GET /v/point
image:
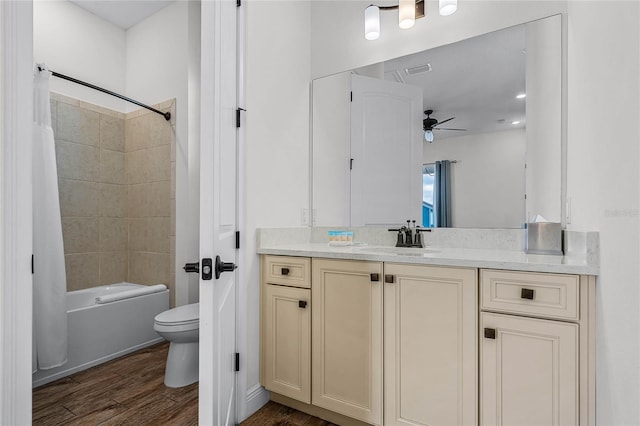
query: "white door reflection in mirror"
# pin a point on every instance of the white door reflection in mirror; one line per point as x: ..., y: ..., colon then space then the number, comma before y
x: 386, y: 152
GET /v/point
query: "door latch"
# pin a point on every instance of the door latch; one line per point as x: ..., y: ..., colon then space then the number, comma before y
x: 192, y: 267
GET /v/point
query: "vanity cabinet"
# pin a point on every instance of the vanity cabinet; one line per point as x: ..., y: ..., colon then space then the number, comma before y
x: 430, y: 345
x: 347, y: 368
x: 383, y: 343
x: 536, y: 348
x: 286, y: 326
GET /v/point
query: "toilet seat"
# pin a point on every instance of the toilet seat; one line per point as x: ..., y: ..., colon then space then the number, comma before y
x: 186, y: 316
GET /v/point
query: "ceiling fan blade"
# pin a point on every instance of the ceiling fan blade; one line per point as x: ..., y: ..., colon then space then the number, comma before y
x: 444, y: 121
x: 438, y: 128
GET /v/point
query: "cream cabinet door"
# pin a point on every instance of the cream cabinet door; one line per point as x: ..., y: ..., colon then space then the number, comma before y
x: 528, y: 371
x: 347, y: 338
x: 287, y: 341
x: 430, y: 345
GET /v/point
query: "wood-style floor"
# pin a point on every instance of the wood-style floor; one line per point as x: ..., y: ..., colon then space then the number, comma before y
x: 131, y: 391
x: 274, y: 414
x: 125, y: 391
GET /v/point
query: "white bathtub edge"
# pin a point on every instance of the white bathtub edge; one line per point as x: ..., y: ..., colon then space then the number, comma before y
x: 93, y: 363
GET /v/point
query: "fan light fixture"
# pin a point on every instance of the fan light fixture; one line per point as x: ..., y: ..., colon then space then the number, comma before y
x: 408, y: 12
x: 428, y: 136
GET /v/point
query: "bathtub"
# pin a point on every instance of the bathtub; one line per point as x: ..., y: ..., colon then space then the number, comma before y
x: 99, y: 332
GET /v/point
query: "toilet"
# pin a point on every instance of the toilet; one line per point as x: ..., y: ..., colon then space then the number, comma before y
x: 180, y: 326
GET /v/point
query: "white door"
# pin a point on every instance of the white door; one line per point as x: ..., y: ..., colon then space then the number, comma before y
x: 386, y: 152
x: 218, y: 213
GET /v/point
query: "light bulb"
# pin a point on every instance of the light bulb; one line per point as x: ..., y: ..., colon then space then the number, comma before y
x: 406, y: 13
x: 448, y: 7
x: 372, y: 22
x: 428, y: 136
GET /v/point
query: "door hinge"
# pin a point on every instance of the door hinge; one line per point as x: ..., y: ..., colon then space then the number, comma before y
x: 238, y: 114
x: 237, y: 240
x: 237, y: 367
x: 351, y: 164
x: 351, y: 96
x: 33, y: 268
x: 238, y: 3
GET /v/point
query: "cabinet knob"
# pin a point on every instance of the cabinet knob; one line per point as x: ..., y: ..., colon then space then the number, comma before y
x: 375, y: 277
x: 302, y: 304
x: 284, y: 271
x: 389, y: 279
x: 490, y: 333
x: 527, y: 293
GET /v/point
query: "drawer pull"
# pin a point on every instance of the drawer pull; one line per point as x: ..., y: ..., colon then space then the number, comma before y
x: 284, y: 271
x: 490, y: 333
x: 389, y: 279
x: 527, y: 293
x: 302, y: 304
x: 375, y: 277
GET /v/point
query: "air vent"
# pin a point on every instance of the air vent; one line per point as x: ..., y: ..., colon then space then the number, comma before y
x: 418, y: 70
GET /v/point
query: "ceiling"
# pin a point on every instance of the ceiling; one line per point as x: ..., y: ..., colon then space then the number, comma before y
x: 475, y: 80
x: 121, y: 13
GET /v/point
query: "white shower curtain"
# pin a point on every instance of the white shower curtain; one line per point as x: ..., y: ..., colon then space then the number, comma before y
x: 49, y: 279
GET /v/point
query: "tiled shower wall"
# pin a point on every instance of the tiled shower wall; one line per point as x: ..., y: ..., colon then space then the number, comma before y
x: 150, y: 149
x: 115, y: 182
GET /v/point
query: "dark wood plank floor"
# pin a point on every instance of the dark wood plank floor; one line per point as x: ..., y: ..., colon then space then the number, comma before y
x: 131, y: 391
x: 274, y: 414
x: 125, y: 391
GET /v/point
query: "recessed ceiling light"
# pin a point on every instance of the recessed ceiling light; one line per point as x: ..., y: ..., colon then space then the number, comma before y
x: 521, y: 96
x: 515, y: 122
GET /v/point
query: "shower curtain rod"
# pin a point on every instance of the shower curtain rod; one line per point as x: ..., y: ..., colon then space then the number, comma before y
x: 166, y: 115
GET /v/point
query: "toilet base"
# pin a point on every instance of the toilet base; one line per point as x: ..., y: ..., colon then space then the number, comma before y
x: 182, y: 364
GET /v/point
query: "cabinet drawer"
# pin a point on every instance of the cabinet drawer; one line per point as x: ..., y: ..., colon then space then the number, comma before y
x: 285, y: 270
x: 545, y: 295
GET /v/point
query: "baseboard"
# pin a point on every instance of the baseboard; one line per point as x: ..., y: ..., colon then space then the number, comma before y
x: 256, y: 397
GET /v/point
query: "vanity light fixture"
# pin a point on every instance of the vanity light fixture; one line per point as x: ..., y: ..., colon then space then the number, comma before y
x: 408, y: 12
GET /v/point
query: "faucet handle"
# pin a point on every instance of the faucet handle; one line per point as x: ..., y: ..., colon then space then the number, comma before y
x: 418, y: 239
x: 400, y: 241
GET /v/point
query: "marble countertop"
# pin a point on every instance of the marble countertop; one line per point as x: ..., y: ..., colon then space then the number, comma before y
x: 461, y: 257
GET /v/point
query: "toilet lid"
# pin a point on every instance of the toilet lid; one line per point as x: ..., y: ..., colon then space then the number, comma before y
x: 180, y: 315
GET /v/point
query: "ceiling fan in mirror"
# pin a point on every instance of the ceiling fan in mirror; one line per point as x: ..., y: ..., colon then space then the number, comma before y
x: 430, y: 124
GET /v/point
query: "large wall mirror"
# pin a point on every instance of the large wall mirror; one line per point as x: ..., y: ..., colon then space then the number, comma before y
x: 495, y: 125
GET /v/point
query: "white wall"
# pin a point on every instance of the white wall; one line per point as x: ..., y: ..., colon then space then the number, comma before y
x: 276, y: 162
x: 337, y: 30
x: 159, y: 61
x: 331, y: 150
x: 604, y: 184
x: 77, y: 43
x: 487, y: 182
x: 544, y: 124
